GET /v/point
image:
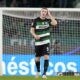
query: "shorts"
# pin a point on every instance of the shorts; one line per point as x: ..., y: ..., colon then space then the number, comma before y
x: 42, y: 50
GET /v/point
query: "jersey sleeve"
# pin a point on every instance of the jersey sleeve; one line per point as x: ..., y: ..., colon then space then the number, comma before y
x: 33, y: 25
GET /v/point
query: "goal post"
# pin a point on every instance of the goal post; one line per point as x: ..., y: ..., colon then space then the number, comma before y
x: 69, y: 13
x: 0, y: 41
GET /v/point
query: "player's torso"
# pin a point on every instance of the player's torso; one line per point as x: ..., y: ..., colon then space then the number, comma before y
x: 42, y: 28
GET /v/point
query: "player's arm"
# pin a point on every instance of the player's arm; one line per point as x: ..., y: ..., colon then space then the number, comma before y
x: 32, y: 31
x: 53, y: 21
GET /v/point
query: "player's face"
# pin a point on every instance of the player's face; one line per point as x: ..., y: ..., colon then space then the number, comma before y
x: 44, y: 13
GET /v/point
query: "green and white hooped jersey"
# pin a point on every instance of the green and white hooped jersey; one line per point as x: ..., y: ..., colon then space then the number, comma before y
x: 42, y: 28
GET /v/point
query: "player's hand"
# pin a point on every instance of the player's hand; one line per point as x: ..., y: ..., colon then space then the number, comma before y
x: 37, y: 37
x: 49, y: 13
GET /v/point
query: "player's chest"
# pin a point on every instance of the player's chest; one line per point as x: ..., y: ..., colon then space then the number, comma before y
x: 42, y: 24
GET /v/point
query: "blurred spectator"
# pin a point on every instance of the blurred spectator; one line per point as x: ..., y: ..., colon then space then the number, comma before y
x: 18, y: 3
x: 41, y: 3
x: 62, y: 3
x: 77, y: 5
x: 70, y: 3
x: 45, y: 3
x: 35, y: 3
x: 2, y: 3
x: 23, y: 3
x: 14, y: 3
x: 9, y: 3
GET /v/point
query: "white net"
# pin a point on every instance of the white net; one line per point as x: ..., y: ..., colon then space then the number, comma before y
x: 65, y: 37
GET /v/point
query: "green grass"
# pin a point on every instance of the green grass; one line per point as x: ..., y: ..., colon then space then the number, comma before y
x: 40, y: 78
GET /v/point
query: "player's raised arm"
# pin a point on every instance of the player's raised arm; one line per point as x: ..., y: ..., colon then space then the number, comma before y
x: 53, y: 21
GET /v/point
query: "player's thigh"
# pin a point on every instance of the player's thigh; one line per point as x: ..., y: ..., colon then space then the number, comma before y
x: 46, y: 49
x: 38, y: 51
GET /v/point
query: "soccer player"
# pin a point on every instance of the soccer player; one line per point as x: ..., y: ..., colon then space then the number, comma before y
x: 40, y: 30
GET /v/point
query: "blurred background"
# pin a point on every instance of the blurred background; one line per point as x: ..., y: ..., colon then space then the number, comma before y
x: 41, y: 3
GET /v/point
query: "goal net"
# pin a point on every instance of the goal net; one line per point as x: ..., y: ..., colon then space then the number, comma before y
x: 16, y: 31
x: 65, y: 37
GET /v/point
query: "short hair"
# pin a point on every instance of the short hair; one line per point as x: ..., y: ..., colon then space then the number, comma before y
x: 44, y: 8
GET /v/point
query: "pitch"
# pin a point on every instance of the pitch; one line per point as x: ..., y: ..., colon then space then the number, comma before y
x: 40, y: 78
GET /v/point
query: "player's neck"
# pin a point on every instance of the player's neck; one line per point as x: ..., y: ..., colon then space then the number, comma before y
x: 43, y: 18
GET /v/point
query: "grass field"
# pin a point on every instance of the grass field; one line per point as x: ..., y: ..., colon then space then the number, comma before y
x: 40, y: 78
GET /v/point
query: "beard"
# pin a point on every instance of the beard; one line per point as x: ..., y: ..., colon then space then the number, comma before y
x: 44, y: 16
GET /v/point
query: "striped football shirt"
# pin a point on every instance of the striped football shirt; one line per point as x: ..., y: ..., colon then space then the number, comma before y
x: 42, y: 28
